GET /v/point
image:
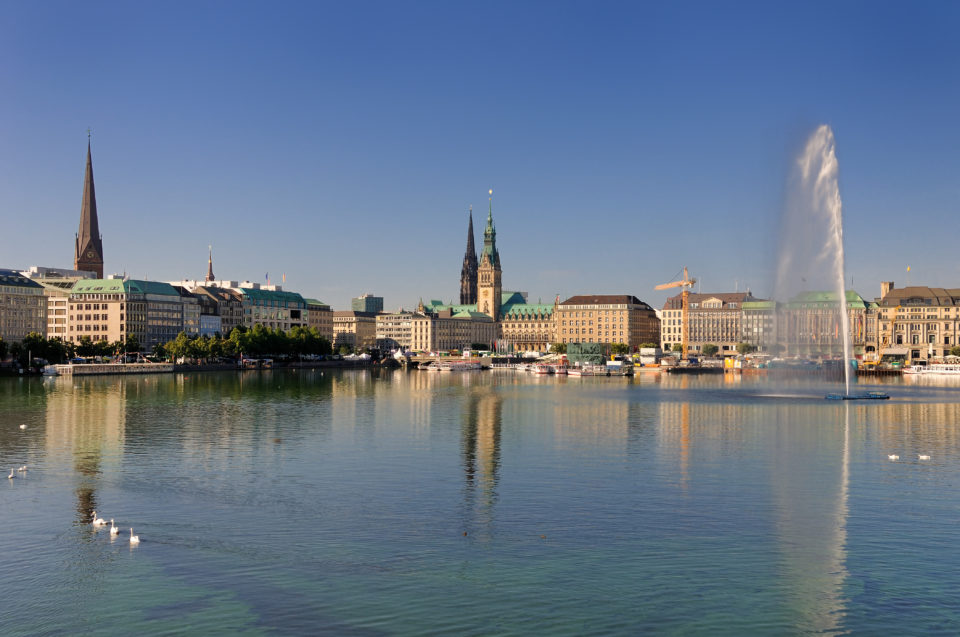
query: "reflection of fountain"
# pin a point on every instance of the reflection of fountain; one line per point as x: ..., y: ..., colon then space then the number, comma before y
x: 811, y: 246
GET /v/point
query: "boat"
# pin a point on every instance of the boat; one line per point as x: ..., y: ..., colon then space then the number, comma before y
x: 934, y: 369
x: 542, y: 368
x: 870, y: 395
x: 50, y: 370
x: 589, y: 370
x: 459, y: 366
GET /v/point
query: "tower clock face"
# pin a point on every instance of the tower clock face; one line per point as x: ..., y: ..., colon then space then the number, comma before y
x: 89, y: 254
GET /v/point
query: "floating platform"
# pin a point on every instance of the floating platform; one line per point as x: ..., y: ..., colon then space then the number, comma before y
x: 870, y: 395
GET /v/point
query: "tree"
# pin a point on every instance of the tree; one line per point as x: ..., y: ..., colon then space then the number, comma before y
x: 955, y: 350
x: 745, y: 348
x: 346, y: 348
x: 620, y: 348
x: 710, y: 349
x: 559, y: 348
x: 3, y: 349
x: 678, y: 347
x: 648, y: 346
x: 132, y: 343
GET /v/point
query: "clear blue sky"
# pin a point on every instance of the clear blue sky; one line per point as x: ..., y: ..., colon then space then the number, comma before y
x: 341, y: 143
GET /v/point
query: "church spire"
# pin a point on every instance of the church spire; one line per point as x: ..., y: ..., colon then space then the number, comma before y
x: 468, y: 273
x: 210, y: 276
x: 88, y: 250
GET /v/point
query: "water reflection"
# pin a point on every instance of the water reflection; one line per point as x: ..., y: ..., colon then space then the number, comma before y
x: 480, y: 443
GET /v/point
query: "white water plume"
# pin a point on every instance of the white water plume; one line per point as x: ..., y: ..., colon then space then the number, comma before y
x: 811, y: 242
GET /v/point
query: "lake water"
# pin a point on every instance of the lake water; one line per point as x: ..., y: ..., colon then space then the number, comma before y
x: 493, y: 503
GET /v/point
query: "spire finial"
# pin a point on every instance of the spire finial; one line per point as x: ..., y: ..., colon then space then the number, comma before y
x: 89, y: 130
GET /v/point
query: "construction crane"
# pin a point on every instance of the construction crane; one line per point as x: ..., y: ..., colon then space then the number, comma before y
x: 686, y: 283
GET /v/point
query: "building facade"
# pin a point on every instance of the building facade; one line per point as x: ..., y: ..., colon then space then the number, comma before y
x: 447, y: 330
x: 57, y: 283
x: 715, y: 319
x: 917, y: 322
x: 23, y: 306
x: 606, y: 318
x: 273, y: 308
x: 367, y: 303
x: 395, y: 330
x: 320, y: 318
x: 355, y: 329
x: 110, y: 309
x: 224, y: 304
x: 489, y: 274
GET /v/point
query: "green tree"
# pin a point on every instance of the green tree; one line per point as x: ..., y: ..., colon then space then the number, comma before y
x: 710, y: 349
x: 745, y: 348
x: 346, y: 348
x: 677, y: 347
x: 559, y: 348
x: 86, y: 347
x: 132, y: 343
x: 620, y: 348
x: 649, y: 345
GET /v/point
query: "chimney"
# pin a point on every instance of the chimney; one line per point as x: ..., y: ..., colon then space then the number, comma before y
x: 885, y: 287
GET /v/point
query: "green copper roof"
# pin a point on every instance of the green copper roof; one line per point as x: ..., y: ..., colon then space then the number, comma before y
x: 119, y: 286
x: 272, y: 295
x: 758, y: 305
x: 822, y: 297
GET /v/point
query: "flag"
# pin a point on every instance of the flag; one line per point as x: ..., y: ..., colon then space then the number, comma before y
x: 283, y: 277
x: 908, y: 268
x: 267, y: 277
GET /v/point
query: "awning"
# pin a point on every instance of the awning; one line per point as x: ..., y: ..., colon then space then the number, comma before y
x: 896, y: 351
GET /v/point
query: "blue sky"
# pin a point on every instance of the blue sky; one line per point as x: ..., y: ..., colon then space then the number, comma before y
x: 342, y: 143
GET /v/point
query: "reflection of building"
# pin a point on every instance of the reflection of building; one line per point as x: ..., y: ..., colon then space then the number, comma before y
x: 606, y: 318
x: 715, y: 319
x: 918, y: 322
x: 480, y: 429
x: 356, y: 329
x: 23, y: 306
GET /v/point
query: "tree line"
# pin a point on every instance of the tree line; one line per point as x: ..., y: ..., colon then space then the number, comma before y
x: 255, y: 342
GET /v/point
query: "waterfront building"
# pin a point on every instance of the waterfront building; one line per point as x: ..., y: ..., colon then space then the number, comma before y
x: 489, y: 273
x: 23, y: 306
x: 367, y: 303
x: 809, y: 324
x: 447, y: 330
x: 109, y: 309
x: 606, y: 318
x: 759, y: 324
x: 468, y: 273
x: 272, y: 307
x: 191, y: 311
x: 917, y: 322
x: 57, y: 283
x: 713, y: 319
x: 221, y: 309
x: 88, y: 246
x: 525, y: 327
x: 395, y: 330
x: 356, y: 329
x: 320, y: 318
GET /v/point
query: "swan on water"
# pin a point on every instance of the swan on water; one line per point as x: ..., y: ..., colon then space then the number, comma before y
x: 923, y: 456
x: 23, y: 468
x: 893, y: 456
x: 23, y: 426
x: 134, y: 539
x: 98, y: 521
x: 11, y: 473
x: 113, y: 529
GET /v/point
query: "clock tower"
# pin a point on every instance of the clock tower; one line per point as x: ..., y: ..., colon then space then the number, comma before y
x: 489, y: 285
x: 88, y: 249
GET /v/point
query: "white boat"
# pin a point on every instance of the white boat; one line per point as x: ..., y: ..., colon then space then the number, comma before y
x: 542, y: 369
x: 459, y: 366
x: 50, y: 370
x: 934, y: 369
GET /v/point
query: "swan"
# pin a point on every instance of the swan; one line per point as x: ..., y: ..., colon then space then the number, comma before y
x: 98, y: 521
x: 893, y: 456
x: 113, y: 529
x: 23, y: 468
x: 923, y: 456
x: 134, y: 539
x: 11, y: 473
x: 23, y: 426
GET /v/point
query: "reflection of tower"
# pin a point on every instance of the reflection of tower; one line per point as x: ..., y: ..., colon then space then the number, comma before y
x: 489, y: 275
x: 468, y: 273
x: 481, y: 454
x: 86, y: 424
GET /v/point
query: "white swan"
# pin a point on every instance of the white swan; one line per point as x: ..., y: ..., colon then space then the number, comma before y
x: 134, y: 539
x: 23, y: 426
x: 23, y: 468
x: 11, y: 473
x: 923, y: 456
x: 113, y: 529
x: 98, y: 521
x: 893, y: 456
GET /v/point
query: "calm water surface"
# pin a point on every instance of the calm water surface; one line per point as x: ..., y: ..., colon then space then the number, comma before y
x: 489, y: 503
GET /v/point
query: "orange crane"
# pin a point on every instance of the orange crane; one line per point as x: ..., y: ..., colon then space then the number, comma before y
x: 686, y: 283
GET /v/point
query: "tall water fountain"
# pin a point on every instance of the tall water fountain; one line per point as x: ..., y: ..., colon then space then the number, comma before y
x: 811, y: 241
